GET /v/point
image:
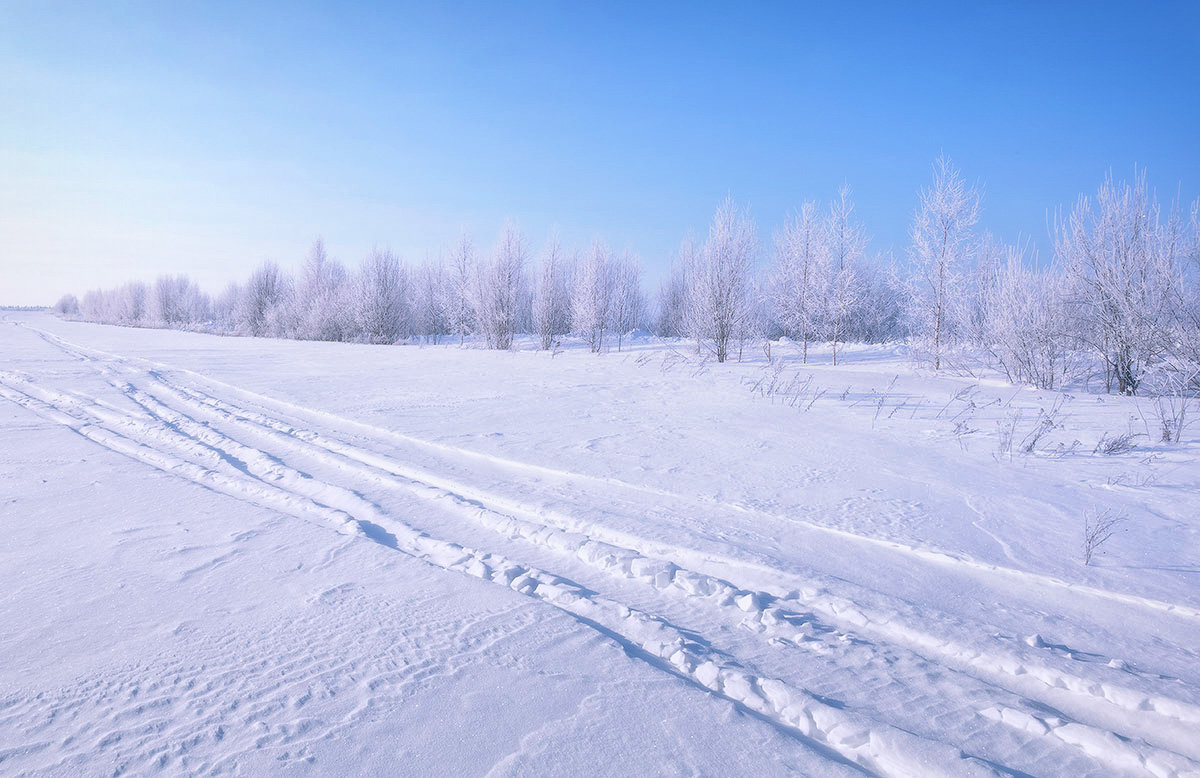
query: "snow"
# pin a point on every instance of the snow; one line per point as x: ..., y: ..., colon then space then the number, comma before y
x: 248, y: 556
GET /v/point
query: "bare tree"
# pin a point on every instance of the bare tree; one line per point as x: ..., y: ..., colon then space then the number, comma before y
x: 225, y: 308
x: 551, y: 302
x: 1023, y: 324
x: 754, y: 325
x: 263, y: 301
x: 498, y: 289
x: 941, y: 244
x: 682, y: 311
x: 1121, y: 261
x: 592, y: 294
x: 176, y: 301
x: 67, y: 306
x: 380, y: 298
x: 628, y: 304
x: 1187, y: 361
x: 459, y: 282
x: 1098, y: 529
x: 130, y: 304
x: 672, y: 300
x: 722, y: 280
x: 428, y: 306
x: 991, y: 257
x: 879, y: 312
x: 795, y: 280
x: 845, y: 244
x: 321, y: 304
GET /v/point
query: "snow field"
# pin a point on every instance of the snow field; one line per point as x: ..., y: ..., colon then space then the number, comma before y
x: 685, y: 609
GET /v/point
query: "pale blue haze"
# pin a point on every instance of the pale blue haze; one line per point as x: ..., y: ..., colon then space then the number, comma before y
x: 140, y: 138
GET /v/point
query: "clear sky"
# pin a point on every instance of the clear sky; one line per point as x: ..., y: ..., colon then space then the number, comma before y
x: 203, y: 137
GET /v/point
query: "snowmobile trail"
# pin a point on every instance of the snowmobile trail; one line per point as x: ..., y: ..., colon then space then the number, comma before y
x: 881, y: 749
x: 759, y: 649
x: 300, y: 417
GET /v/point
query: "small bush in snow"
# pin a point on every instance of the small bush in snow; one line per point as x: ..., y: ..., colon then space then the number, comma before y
x: 1047, y: 421
x: 1111, y: 445
x: 1006, y: 430
x: 1171, y: 413
x: 1098, y: 529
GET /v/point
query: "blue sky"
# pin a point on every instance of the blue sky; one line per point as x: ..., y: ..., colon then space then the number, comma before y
x: 141, y: 138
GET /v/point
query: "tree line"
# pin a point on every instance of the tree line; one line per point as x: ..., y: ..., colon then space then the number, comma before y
x: 1118, y: 301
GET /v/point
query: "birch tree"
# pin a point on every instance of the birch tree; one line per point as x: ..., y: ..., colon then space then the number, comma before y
x: 67, y: 306
x: 1122, y: 263
x: 499, y: 289
x: 1024, y: 326
x: 321, y: 297
x: 380, y: 298
x: 941, y: 246
x: 627, y: 300
x: 795, y: 282
x: 263, y: 300
x: 428, y: 301
x: 551, y: 302
x: 459, y: 282
x: 845, y: 241
x: 591, y: 295
x: 723, y: 277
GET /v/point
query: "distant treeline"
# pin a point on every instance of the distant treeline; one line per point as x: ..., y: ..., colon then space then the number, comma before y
x: 1118, y: 301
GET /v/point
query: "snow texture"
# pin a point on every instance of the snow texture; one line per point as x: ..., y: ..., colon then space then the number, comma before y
x: 249, y: 556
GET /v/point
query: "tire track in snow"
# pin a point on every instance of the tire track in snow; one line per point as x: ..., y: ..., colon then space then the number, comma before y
x: 924, y: 553
x: 877, y: 747
x: 631, y: 564
x: 1160, y: 720
x: 611, y: 559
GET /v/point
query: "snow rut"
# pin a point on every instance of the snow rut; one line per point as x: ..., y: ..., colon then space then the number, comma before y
x: 877, y: 747
x: 167, y: 432
x: 1160, y: 720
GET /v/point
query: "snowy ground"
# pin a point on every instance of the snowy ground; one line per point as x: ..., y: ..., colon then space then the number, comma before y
x: 229, y: 555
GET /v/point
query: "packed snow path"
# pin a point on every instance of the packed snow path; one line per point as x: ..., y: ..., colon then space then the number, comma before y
x: 861, y: 675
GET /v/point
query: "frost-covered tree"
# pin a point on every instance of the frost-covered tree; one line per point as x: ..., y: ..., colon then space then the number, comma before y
x: 672, y: 297
x: 128, y: 305
x: 1024, y: 324
x: 722, y: 281
x: 1122, y: 263
x: 499, y: 289
x: 176, y: 301
x: 429, y: 309
x: 460, y: 279
x: 264, y: 301
x: 592, y: 295
x: 380, y: 298
x: 796, y: 276
x: 756, y: 322
x: 941, y: 245
x: 1188, y: 338
x: 628, y: 303
x: 991, y: 256
x: 845, y: 241
x: 551, y: 300
x: 225, y: 308
x: 67, y: 306
x: 879, y: 316
x: 321, y: 297
x: 681, y: 313
x: 91, y: 307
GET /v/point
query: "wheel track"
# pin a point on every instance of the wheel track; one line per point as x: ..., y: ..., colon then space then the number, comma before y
x: 762, y: 609
x: 879, y: 748
x: 924, y: 553
x: 774, y: 617
x: 1154, y: 714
